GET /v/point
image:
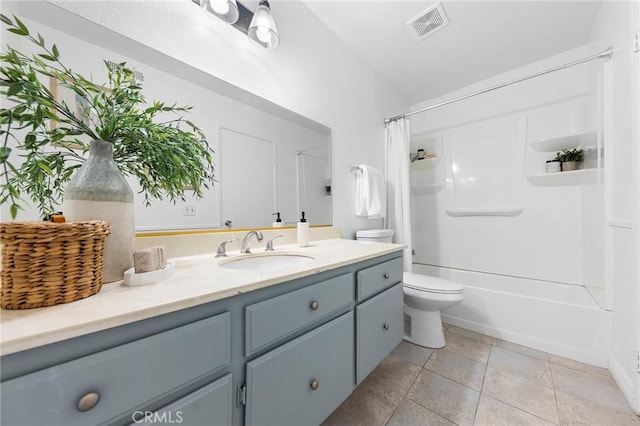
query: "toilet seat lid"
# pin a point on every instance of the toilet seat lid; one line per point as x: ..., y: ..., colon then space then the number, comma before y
x: 430, y: 284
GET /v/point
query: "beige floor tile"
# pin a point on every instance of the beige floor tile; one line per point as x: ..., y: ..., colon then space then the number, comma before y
x: 517, y: 364
x: 579, y: 366
x: 445, y: 397
x: 599, y: 389
x: 371, y: 403
x: 457, y: 368
x: 410, y: 413
x: 531, y: 396
x: 413, y: 353
x: 466, y: 346
x: 492, y: 412
x: 577, y: 411
x: 468, y: 333
x: 524, y: 350
x: 340, y: 418
x: 396, y: 373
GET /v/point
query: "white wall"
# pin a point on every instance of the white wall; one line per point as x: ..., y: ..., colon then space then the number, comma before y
x: 488, y: 140
x: 615, y: 23
x: 311, y: 73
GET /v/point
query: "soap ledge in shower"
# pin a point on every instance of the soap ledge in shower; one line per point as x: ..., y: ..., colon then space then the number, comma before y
x: 505, y: 211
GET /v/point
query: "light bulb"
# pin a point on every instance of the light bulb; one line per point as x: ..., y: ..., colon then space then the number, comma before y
x: 263, y: 34
x: 220, y: 6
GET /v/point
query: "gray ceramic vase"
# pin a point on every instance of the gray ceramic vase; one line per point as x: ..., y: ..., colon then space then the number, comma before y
x: 98, y: 191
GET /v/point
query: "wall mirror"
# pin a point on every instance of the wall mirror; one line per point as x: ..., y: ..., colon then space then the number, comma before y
x: 268, y: 159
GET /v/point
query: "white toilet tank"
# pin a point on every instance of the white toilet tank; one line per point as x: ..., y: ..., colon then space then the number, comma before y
x: 375, y: 235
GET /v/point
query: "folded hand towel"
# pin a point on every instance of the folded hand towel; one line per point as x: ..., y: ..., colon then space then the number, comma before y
x: 370, y: 193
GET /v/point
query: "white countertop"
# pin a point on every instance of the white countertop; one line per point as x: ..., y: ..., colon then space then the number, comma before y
x: 197, y: 280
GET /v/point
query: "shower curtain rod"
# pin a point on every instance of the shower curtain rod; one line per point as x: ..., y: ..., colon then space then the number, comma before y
x: 604, y: 54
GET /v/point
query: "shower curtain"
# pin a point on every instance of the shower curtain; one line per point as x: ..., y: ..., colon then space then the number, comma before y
x: 397, y: 135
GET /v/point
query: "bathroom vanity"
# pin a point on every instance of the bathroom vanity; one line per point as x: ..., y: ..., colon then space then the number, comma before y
x: 273, y: 347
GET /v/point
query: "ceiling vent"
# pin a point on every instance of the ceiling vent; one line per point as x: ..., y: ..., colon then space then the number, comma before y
x: 429, y: 22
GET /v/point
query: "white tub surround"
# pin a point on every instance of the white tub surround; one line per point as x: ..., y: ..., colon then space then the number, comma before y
x: 198, y: 279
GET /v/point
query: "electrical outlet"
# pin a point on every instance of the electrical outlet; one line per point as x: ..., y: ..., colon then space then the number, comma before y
x: 189, y: 210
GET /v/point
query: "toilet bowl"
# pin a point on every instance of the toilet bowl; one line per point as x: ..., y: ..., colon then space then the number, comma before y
x: 424, y: 297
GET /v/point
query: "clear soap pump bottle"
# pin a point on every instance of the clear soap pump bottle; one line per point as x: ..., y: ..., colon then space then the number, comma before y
x: 303, y: 232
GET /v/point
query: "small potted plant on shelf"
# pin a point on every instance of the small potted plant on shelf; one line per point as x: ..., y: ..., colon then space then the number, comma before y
x: 123, y: 134
x: 570, y: 158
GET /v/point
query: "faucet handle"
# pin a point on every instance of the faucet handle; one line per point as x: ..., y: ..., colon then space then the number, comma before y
x: 222, y: 248
x: 270, y: 243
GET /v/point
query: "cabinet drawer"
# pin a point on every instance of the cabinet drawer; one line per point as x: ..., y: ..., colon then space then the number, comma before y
x: 380, y: 327
x: 281, y: 316
x: 376, y: 278
x: 124, y: 377
x: 280, y: 384
x: 210, y: 405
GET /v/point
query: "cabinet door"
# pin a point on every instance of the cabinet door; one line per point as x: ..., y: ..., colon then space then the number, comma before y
x: 303, y: 381
x: 210, y: 405
x: 379, y: 329
x: 378, y: 277
x: 272, y: 319
x: 102, y: 386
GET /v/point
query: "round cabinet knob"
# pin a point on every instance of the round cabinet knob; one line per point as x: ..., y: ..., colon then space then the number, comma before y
x: 314, y: 305
x: 386, y: 275
x: 88, y: 401
x: 385, y: 326
x: 314, y: 384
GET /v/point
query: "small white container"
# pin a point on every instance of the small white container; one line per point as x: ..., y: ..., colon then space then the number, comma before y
x: 554, y: 166
x: 303, y: 232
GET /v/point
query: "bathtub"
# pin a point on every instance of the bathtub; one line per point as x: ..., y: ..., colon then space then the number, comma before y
x: 557, y: 318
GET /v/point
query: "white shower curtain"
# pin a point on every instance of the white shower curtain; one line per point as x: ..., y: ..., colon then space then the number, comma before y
x: 397, y: 135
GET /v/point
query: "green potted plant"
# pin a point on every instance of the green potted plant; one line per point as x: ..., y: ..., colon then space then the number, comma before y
x: 151, y: 141
x: 570, y: 158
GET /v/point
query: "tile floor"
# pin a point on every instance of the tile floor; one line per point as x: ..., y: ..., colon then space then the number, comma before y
x: 479, y: 380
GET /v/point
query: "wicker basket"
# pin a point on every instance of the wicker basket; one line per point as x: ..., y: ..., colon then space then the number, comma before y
x: 45, y: 263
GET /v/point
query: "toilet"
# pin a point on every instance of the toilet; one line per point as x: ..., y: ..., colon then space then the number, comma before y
x: 424, y: 297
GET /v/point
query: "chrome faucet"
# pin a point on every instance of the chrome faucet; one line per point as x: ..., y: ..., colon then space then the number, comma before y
x: 222, y: 252
x: 270, y: 243
x: 245, y: 240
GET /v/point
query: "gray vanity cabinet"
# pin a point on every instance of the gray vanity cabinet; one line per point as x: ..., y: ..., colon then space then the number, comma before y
x: 303, y: 381
x: 287, y: 354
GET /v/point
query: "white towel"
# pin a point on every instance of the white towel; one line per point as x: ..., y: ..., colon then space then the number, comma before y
x: 370, y: 193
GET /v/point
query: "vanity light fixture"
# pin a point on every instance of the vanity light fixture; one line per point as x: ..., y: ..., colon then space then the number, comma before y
x: 262, y: 30
x: 259, y: 26
x: 227, y: 10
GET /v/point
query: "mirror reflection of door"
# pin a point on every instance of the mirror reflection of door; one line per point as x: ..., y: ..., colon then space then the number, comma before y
x: 247, y: 180
x: 314, y: 184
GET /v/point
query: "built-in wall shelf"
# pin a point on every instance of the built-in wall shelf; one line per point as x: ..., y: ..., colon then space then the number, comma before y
x: 571, y: 178
x: 425, y: 163
x: 501, y: 211
x: 575, y: 140
x: 426, y: 189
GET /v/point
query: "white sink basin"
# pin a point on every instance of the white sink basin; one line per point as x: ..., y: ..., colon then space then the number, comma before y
x: 266, y: 261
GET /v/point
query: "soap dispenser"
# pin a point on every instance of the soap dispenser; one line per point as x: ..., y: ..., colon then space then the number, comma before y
x: 278, y: 223
x: 303, y: 232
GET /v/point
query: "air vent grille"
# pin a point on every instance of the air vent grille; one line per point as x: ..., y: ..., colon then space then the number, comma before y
x: 429, y: 21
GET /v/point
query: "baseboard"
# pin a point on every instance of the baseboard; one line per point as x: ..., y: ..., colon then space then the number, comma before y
x: 557, y: 348
x: 624, y: 383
